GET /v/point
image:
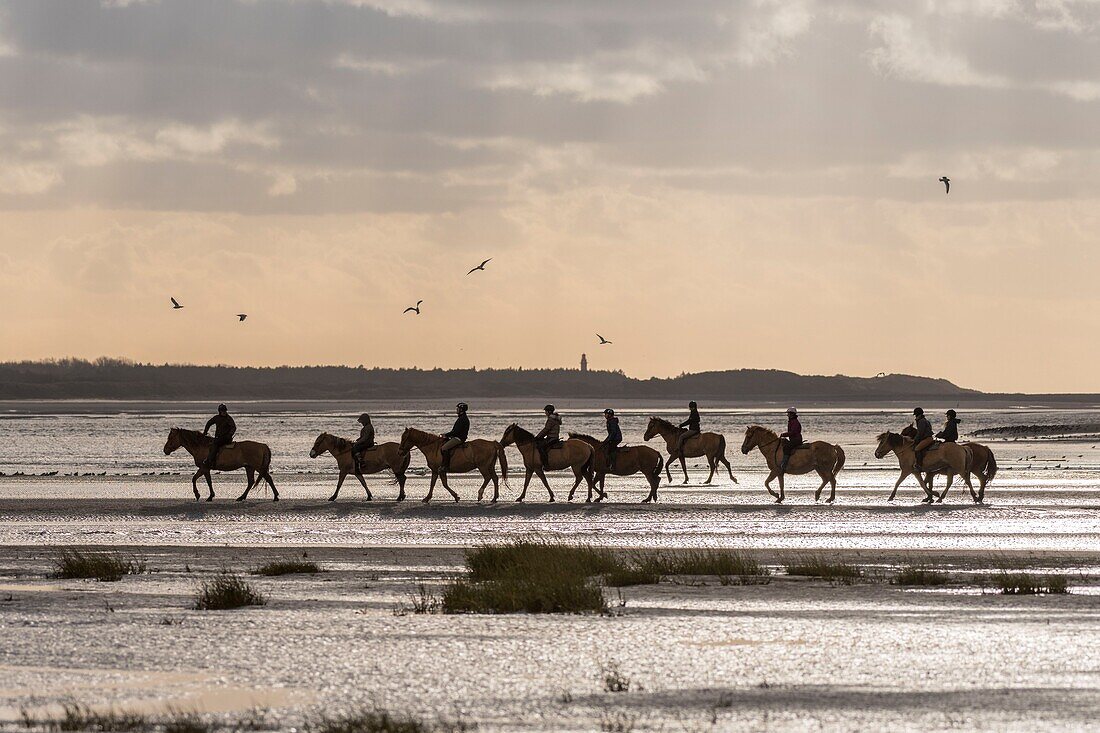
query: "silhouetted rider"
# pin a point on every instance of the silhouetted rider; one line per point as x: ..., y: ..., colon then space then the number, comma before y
x: 950, y: 432
x: 365, y: 441
x: 614, y: 437
x: 693, y: 428
x: 224, y: 430
x: 457, y: 436
x: 791, y: 439
x: 550, y: 433
x: 922, y: 441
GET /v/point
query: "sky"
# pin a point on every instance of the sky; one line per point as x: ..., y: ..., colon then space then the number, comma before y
x: 710, y: 185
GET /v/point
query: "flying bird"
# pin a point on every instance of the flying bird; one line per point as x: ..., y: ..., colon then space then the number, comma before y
x: 414, y: 308
x: 479, y: 267
x: 946, y: 184
x: 175, y: 304
x: 241, y: 316
x: 602, y: 340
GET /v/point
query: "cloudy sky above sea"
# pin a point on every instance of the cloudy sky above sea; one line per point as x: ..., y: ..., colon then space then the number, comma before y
x: 711, y: 185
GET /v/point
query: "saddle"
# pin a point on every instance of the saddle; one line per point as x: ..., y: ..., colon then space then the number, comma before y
x: 558, y: 443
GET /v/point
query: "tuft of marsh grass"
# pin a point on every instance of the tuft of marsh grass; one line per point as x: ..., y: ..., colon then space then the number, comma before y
x: 382, y: 721
x: 819, y: 567
x: 627, y: 576
x: 546, y: 593
x: 187, y: 723
x: 730, y: 566
x: 227, y: 591
x: 100, y: 565
x: 424, y: 601
x: 613, y: 678
x: 78, y: 717
x: 1027, y: 584
x: 618, y: 721
x: 916, y: 575
x: 525, y: 557
x: 287, y: 567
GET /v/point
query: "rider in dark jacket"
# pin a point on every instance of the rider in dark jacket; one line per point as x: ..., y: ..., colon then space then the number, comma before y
x: 693, y: 425
x: 549, y: 435
x: 457, y: 436
x: 614, y: 437
x: 224, y: 430
x: 365, y: 442
x: 790, y: 439
x: 950, y: 432
x: 922, y: 441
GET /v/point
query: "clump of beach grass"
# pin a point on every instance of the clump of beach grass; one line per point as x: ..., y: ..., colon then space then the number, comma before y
x: 494, y: 562
x: 227, y: 591
x: 101, y: 565
x: 731, y: 567
x: 1029, y: 584
x: 627, y: 576
x: 613, y: 678
x: 916, y: 575
x: 78, y: 717
x: 819, y: 567
x: 287, y: 567
x: 382, y: 721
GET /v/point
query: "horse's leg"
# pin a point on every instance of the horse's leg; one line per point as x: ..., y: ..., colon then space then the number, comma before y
x: 981, y: 487
x: 447, y: 486
x: 496, y: 482
x: 484, y: 483
x: 683, y: 465
x: 249, y: 471
x: 824, y: 480
x: 210, y: 485
x: 654, y: 482
x: 194, y: 484
x: 931, y: 480
x: 768, y: 483
x: 400, y: 485
x: 271, y: 482
x: 577, y: 475
x: 339, y: 483
x: 244, y: 496
x: 729, y: 468
x: 668, y: 465
x: 966, y: 480
x: 542, y: 475
x: 929, y: 497
x: 370, y: 496
x: 526, y: 481
x: 896, y: 485
x: 832, y: 493
x: 431, y: 487
x: 712, y: 464
x: 782, y: 490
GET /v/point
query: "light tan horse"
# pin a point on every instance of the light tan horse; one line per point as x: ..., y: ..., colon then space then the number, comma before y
x: 984, y: 466
x: 629, y: 460
x: 572, y: 453
x: 949, y: 457
x: 253, y: 457
x: 825, y: 458
x: 480, y: 455
x: 711, y: 445
x: 375, y: 459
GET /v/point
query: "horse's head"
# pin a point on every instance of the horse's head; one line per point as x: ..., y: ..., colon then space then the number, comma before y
x: 887, y: 442
x: 174, y: 441
x: 509, y: 436
x: 408, y: 440
x: 322, y: 444
x: 909, y: 431
x: 652, y: 429
x: 752, y: 439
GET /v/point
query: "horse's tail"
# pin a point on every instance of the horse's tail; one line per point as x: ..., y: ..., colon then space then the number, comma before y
x: 587, y: 467
x: 839, y: 460
x: 990, y: 467
x: 660, y: 465
x: 503, y: 458
x: 265, y: 462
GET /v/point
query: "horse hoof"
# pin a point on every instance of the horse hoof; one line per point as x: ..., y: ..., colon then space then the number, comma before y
x: 424, y: 501
x: 519, y: 500
x: 551, y: 501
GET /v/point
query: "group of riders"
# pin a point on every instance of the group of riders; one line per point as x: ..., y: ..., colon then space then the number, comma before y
x: 550, y: 435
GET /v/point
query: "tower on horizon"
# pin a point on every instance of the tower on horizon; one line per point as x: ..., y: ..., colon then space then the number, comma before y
x: 584, y: 362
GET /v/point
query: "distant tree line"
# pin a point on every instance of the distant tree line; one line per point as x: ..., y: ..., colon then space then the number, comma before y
x: 122, y: 379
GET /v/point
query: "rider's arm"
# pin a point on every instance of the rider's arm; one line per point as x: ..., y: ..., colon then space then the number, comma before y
x: 232, y: 426
x: 209, y: 424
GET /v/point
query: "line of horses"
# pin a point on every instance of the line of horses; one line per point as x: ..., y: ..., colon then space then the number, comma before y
x: 587, y: 459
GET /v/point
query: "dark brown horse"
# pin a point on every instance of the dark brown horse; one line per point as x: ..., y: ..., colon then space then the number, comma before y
x: 253, y: 457
x: 374, y: 460
x: 481, y: 455
x: 574, y: 454
x: 711, y: 445
x: 629, y: 460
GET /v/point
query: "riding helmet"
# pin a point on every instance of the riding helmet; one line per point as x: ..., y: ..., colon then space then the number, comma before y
x: 692, y: 405
x: 548, y: 408
x: 462, y: 406
x: 951, y: 413
x: 609, y: 412
x: 363, y: 419
x: 792, y: 411
x: 223, y: 408
x: 918, y: 411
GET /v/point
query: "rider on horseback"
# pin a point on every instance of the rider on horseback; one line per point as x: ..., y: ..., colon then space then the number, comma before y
x: 458, y: 435
x: 693, y: 429
x: 614, y: 437
x: 224, y: 430
x: 922, y: 441
x: 549, y: 435
x: 950, y: 432
x: 791, y: 439
x: 366, y: 441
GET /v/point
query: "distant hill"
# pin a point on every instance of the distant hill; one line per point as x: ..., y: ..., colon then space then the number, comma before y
x: 123, y: 380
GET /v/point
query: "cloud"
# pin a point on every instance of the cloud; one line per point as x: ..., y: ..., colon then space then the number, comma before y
x: 27, y: 178
x: 770, y: 35
x: 906, y: 53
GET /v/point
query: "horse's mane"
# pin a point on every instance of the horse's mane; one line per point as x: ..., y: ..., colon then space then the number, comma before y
x: 341, y: 443
x: 892, y: 439
x: 420, y: 434
x: 522, y: 433
x: 193, y: 436
x: 664, y: 423
x: 769, y: 431
x: 586, y: 438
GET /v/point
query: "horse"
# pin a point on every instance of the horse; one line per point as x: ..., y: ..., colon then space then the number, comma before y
x: 473, y: 454
x: 945, y: 458
x: 572, y: 453
x: 825, y: 458
x: 629, y: 460
x: 984, y: 467
x: 373, y: 460
x: 711, y: 445
x: 253, y: 457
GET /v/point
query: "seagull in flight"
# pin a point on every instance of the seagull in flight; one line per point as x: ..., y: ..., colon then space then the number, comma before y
x: 602, y: 340
x: 175, y: 304
x: 241, y: 317
x: 414, y: 308
x: 946, y: 184
x: 480, y: 267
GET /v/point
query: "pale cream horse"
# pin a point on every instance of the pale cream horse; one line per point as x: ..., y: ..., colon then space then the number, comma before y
x: 949, y: 457
x: 825, y: 458
x: 572, y: 453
